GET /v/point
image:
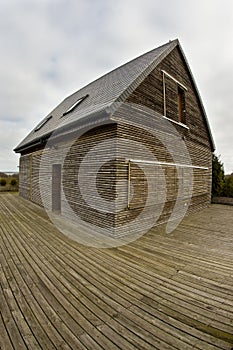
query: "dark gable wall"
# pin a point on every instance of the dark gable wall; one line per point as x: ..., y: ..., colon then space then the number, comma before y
x: 150, y: 94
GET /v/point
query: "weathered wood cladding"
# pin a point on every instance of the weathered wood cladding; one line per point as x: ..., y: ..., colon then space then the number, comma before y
x: 104, y: 179
x: 167, y: 193
x: 150, y: 94
x: 35, y: 178
x: 121, y: 186
x: 112, y: 178
x: 36, y: 183
x: 24, y: 176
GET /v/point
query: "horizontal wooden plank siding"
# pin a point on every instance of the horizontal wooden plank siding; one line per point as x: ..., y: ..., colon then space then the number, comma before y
x: 111, y: 181
x: 35, y: 178
x: 100, y: 183
x: 150, y: 94
x: 165, y: 192
x: 106, y: 178
x: 25, y: 176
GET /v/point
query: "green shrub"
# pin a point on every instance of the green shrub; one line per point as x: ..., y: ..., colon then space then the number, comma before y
x: 227, y: 190
x: 13, y: 182
x: 2, y: 182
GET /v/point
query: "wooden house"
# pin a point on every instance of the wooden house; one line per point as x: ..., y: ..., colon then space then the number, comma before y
x: 138, y: 132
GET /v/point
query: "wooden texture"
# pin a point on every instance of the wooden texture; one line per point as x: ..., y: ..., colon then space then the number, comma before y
x: 25, y: 176
x: 112, y: 177
x: 150, y: 94
x: 159, y: 292
x: 56, y: 188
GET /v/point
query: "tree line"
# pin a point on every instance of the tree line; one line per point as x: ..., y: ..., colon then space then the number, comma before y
x: 222, y: 185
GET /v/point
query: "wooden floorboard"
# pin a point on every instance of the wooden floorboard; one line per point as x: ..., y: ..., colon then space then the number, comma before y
x: 160, y: 292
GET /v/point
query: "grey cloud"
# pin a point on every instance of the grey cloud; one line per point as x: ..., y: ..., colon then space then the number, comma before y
x: 51, y: 48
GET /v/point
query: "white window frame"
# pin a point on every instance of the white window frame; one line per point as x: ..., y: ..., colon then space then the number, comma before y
x: 166, y: 74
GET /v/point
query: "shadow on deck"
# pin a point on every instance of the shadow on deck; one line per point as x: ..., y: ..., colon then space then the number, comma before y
x: 161, y: 292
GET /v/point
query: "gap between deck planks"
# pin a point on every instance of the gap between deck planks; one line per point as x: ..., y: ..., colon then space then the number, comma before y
x: 160, y: 292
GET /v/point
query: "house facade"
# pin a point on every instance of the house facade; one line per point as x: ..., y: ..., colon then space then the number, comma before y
x: 133, y: 146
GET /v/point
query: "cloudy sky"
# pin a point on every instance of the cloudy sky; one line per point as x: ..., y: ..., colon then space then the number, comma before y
x: 51, y: 48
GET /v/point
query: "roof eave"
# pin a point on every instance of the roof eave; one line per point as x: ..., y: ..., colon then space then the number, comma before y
x: 82, y: 124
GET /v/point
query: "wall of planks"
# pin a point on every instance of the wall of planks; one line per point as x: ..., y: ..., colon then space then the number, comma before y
x: 112, y: 179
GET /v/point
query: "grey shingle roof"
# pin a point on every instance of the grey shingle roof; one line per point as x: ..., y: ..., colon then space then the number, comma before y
x: 112, y: 87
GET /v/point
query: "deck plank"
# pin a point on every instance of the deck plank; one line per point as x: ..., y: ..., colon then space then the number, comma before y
x: 160, y: 292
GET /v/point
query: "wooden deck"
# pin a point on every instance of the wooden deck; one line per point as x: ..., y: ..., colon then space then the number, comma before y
x: 161, y: 292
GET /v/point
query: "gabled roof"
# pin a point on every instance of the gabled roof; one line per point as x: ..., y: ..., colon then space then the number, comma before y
x: 99, y: 95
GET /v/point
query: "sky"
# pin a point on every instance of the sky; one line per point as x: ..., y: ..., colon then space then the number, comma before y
x: 51, y: 48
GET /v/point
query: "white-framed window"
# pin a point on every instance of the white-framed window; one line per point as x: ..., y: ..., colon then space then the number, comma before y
x: 181, y: 90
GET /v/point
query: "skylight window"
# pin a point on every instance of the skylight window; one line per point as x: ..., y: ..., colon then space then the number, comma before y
x: 39, y: 126
x: 74, y: 105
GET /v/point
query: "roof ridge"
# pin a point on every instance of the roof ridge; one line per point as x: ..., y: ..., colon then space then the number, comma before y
x: 106, y: 92
x: 170, y: 46
x: 123, y: 65
x: 112, y: 87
